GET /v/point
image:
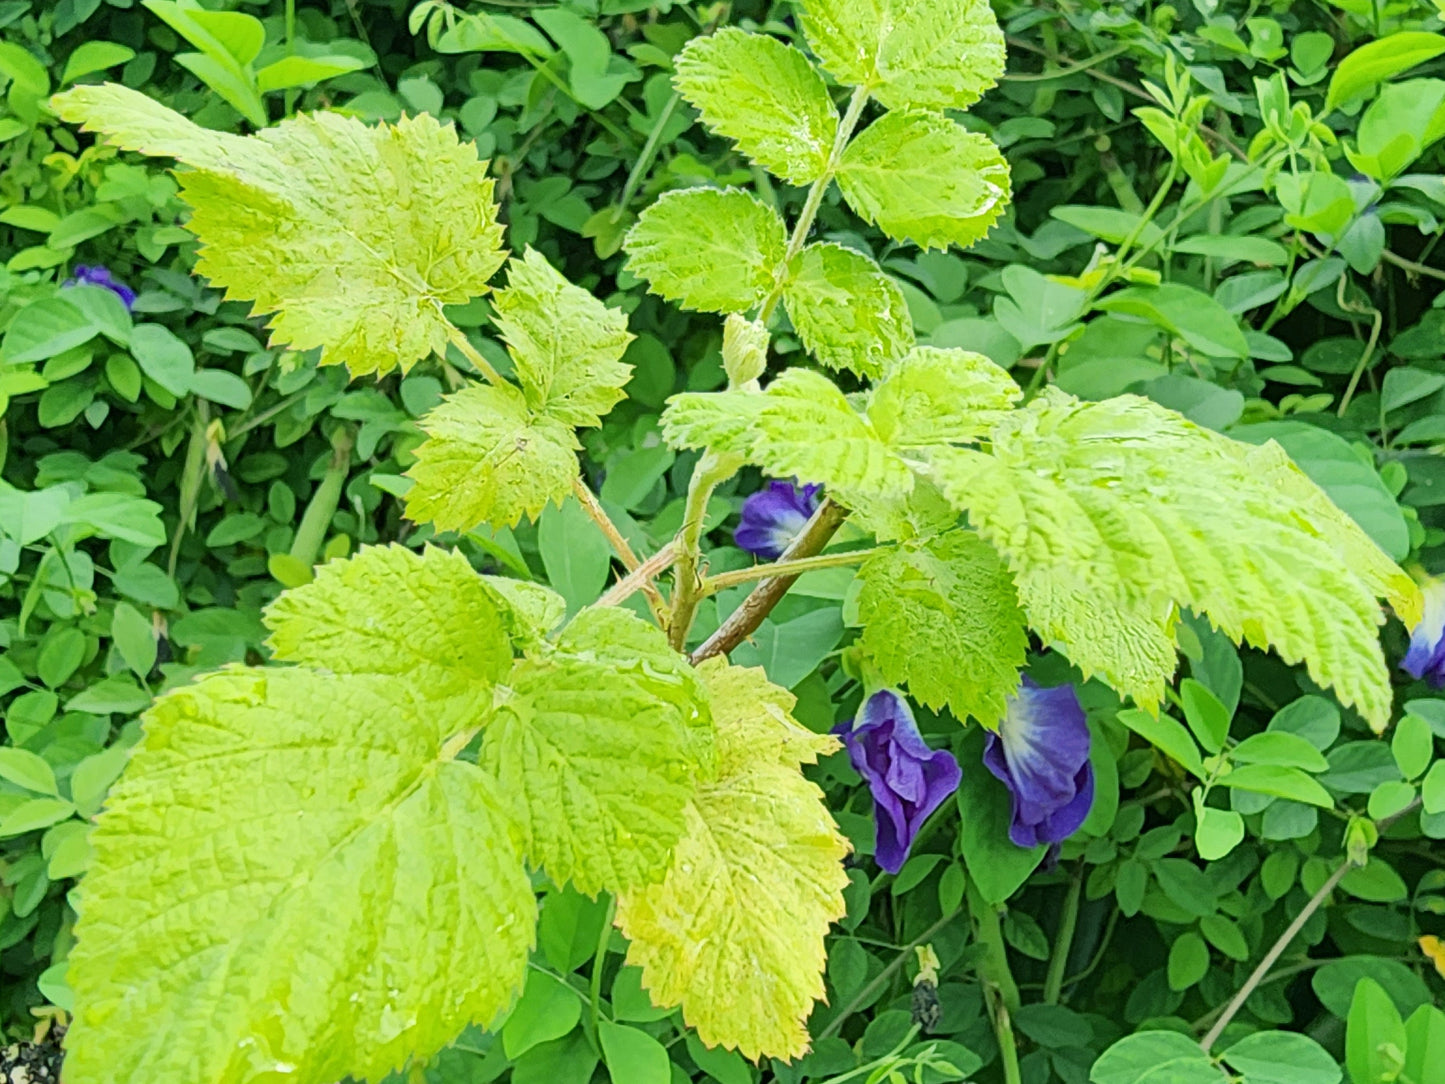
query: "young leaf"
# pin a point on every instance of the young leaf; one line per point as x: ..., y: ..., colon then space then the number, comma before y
x: 745, y: 965
x: 427, y: 617
x: 1364, y: 69
x: 923, y: 178
x: 940, y: 396
x: 566, y: 345
x: 1375, y: 1039
x: 332, y: 225
x: 724, y: 421
x: 929, y: 54
x: 488, y: 459
x: 942, y: 617
x: 766, y: 96
x: 598, y: 748
x: 849, y: 314
x: 717, y: 251
x: 1112, y: 514
x: 365, y: 880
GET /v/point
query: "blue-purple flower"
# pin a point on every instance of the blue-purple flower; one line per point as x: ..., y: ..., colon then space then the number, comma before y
x: 908, y: 779
x: 101, y: 276
x: 1426, y: 657
x: 774, y: 516
x: 1041, y: 753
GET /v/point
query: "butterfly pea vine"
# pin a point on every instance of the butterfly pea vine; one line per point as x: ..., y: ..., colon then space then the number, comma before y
x: 322, y: 868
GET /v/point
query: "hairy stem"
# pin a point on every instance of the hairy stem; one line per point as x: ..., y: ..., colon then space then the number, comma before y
x: 1064, y: 941
x: 593, y: 507
x: 458, y: 338
x: 713, y: 584
x: 743, y: 621
x: 687, y: 582
x: 640, y: 577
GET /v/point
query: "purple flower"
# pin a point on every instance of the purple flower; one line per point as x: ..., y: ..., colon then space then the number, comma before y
x: 101, y: 276
x: 1041, y: 753
x: 773, y: 517
x: 1426, y: 657
x: 908, y: 779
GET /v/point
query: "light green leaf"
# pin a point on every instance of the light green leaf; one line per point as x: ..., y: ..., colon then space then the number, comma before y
x: 94, y: 56
x: 632, y: 1055
x: 1375, y: 1039
x: 937, y: 396
x: 1425, y: 1058
x: 332, y: 225
x: 849, y: 314
x: 1181, y: 310
x: 487, y: 459
x: 134, y: 638
x: 717, y: 251
x: 1282, y: 1057
x: 28, y: 770
x: 808, y: 430
x: 1217, y: 832
x: 1113, y: 515
x: 303, y: 71
x: 763, y: 94
x: 1282, y: 748
x: 425, y: 617
x: 548, y: 1009
x: 922, y: 178
x: 1188, y: 960
x: 942, y: 617
x: 724, y: 421
x: 1206, y: 716
x: 1278, y: 781
x: 363, y: 849
x: 1155, y: 1057
x: 744, y: 349
x: 745, y: 965
x: 1372, y: 63
x: 1413, y: 744
x: 598, y: 746
x: 566, y: 344
x: 942, y: 54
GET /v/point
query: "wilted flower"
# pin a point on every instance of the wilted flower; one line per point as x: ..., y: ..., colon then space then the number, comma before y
x: 908, y: 779
x: 1426, y: 657
x: 1041, y: 753
x: 774, y: 516
x: 101, y: 276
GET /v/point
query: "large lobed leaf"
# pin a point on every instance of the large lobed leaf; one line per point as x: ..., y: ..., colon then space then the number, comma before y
x: 942, y: 617
x: 922, y: 54
x: 734, y: 934
x: 1114, y: 515
x: 765, y: 95
x: 295, y: 879
x: 332, y: 225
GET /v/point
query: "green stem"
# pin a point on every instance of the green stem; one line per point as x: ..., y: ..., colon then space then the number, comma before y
x: 799, y: 237
x: 877, y: 1063
x: 1377, y: 322
x: 311, y: 532
x: 1064, y: 941
x: 459, y: 339
x: 603, y: 940
x: 1000, y: 991
x: 644, y: 160
x: 713, y: 584
x: 687, y: 584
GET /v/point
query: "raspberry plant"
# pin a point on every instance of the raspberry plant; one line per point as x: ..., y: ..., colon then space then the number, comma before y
x: 320, y: 868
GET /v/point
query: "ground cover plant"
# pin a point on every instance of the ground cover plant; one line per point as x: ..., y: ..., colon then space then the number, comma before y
x: 816, y: 542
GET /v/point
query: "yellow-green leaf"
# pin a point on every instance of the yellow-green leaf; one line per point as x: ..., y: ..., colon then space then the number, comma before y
x: 940, y: 396
x: 849, y: 314
x: 745, y: 962
x: 354, y: 236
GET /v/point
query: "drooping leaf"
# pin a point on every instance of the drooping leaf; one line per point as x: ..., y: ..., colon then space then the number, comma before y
x: 766, y: 96
x: 427, y: 617
x: 940, y: 396
x: 942, y: 617
x: 488, y: 459
x: 849, y: 314
x: 717, y: 251
x: 297, y: 876
x: 599, y: 746
x: 566, y: 345
x: 1112, y: 515
x: 745, y: 965
x: 925, y: 179
x: 334, y: 226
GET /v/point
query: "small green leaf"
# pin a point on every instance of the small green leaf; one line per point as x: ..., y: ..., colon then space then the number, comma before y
x: 1282, y: 748
x: 548, y: 1009
x: 1375, y: 1041
x: 849, y: 314
x: 716, y: 251
x: 763, y: 94
x: 938, y: 55
x: 925, y: 179
x: 1425, y: 1056
x: 1281, y: 782
x: 1413, y: 745
x: 28, y: 770
x: 1218, y: 832
x: 1168, y: 736
x: 94, y: 56
x: 1188, y: 960
x: 1224, y: 934
x: 1155, y: 1057
x: 1432, y: 791
x: 1185, y: 312
x: 1374, y: 62
x: 632, y: 1055
x: 1282, y: 1057
x: 1206, y: 716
